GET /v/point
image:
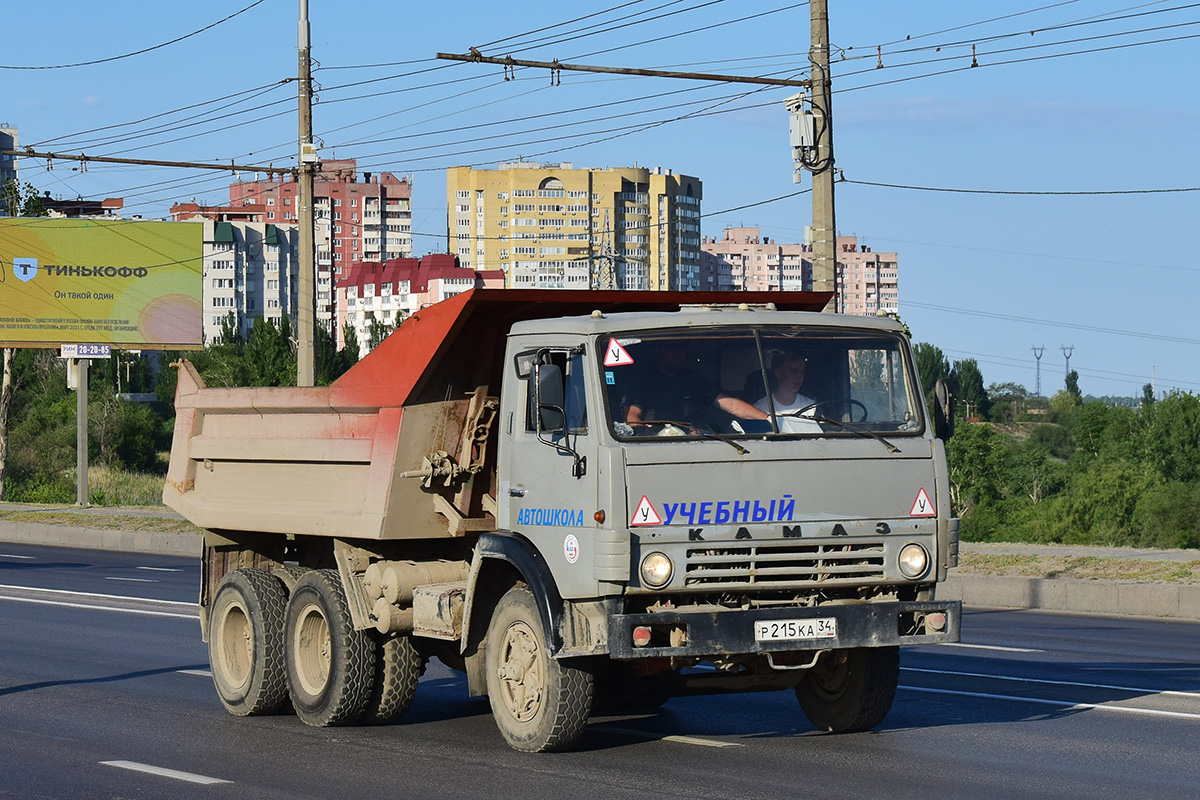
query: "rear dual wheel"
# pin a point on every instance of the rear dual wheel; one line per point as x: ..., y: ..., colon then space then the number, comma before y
x: 330, y: 665
x: 245, y: 642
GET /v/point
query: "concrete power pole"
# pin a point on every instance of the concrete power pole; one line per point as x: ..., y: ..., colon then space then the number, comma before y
x: 1037, y: 353
x: 305, y: 361
x: 824, y: 227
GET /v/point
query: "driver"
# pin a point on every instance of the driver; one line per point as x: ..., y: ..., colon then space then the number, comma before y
x: 674, y: 392
x: 788, y: 371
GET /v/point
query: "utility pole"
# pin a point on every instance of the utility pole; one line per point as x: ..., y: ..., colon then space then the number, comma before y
x: 1067, y: 352
x: 824, y: 226
x: 1037, y: 353
x: 305, y: 363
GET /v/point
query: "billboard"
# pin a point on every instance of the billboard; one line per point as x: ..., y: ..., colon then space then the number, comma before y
x: 131, y: 284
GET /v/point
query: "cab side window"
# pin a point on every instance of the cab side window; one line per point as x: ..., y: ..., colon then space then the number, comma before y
x: 571, y: 366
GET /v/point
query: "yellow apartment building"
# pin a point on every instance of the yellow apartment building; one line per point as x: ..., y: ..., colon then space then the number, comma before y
x: 554, y: 226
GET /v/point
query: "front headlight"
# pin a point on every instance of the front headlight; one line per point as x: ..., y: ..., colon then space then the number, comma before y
x: 656, y: 570
x: 913, y: 561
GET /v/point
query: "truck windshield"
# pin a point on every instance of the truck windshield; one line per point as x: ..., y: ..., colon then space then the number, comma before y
x: 764, y: 382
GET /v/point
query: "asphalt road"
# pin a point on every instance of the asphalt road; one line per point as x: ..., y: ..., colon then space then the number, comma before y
x: 99, y: 696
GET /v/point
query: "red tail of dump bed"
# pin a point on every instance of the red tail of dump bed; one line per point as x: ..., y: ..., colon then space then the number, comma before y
x: 327, y: 460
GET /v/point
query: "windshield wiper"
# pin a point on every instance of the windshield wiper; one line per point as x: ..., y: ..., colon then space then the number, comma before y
x: 694, y: 430
x: 850, y: 427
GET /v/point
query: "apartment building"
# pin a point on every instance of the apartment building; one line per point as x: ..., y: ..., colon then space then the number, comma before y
x: 743, y: 259
x: 236, y: 225
x: 555, y: 226
x: 389, y: 292
x: 8, y: 164
x: 250, y: 270
x: 369, y: 219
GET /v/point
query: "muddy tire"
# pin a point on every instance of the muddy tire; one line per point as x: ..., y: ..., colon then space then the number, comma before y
x: 398, y: 668
x: 540, y: 704
x: 850, y: 690
x: 330, y: 665
x: 245, y: 642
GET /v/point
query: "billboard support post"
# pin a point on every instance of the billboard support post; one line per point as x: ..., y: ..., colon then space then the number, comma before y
x: 81, y: 435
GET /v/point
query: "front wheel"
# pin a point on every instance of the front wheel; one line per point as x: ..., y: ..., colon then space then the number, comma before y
x: 540, y: 703
x: 850, y: 690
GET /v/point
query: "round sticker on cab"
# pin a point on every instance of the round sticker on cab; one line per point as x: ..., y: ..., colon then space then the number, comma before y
x: 571, y: 548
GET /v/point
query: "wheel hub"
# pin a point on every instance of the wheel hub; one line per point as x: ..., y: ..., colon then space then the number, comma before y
x: 521, y: 672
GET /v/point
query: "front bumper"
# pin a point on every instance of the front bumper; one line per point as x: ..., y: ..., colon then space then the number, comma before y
x: 724, y: 632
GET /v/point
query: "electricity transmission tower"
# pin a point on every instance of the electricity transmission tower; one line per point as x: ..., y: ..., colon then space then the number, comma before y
x: 1037, y: 353
x: 1067, y: 350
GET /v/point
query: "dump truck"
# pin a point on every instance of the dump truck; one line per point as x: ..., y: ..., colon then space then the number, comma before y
x: 587, y: 502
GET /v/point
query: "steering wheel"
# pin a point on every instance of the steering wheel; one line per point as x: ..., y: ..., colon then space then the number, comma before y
x: 847, y: 402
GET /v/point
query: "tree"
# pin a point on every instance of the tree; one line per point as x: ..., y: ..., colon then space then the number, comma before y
x: 20, y: 200
x: 976, y: 456
x: 932, y: 365
x: 1008, y: 401
x: 377, y: 331
x: 25, y: 199
x: 1073, y: 385
x: 969, y: 387
x: 1148, y: 394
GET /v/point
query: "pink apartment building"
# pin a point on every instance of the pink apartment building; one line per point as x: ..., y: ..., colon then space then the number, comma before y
x: 743, y: 260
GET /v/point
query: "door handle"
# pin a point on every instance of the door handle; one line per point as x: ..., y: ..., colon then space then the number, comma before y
x: 516, y: 492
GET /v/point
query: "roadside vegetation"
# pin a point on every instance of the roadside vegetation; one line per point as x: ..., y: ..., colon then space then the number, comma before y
x: 1069, y: 469
x: 128, y: 442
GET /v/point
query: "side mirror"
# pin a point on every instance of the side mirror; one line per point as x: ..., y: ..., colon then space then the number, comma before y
x: 943, y: 409
x: 548, y: 383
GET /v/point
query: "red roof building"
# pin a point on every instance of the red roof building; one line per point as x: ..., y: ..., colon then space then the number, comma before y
x: 387, y: 292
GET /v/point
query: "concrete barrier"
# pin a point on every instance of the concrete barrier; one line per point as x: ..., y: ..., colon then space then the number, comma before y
x: 1103, y: 597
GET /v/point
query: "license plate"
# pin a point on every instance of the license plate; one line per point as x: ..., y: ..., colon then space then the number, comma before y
x: 774, y: 630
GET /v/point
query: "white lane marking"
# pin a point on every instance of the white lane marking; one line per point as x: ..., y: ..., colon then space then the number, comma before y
x: 658, y: 736
x: 190, y: 777
x: 9, y: 555
x: 161, y: 569
x: 131, y: 580
x: 1151, y: 712
x: 203, y: 673
x: 94, y: 594
x: 89, y: 606
x: 1136, y: 689
x: 990, y: 647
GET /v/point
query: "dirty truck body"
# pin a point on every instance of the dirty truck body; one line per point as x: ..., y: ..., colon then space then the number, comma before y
x: 562, y: 495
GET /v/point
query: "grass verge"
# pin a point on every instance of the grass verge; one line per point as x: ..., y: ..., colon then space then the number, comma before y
x: 1088, y: 568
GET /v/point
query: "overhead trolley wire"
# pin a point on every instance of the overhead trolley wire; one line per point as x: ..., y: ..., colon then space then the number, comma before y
x: 144, y: 50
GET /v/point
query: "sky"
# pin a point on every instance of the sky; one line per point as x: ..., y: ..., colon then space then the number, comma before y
x: 1077, y: 116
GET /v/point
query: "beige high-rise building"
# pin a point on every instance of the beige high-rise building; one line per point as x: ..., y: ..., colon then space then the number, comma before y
x: 554, y: 226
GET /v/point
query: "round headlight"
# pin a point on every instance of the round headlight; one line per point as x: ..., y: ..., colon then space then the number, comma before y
x: 913, y: 561
x: 656, y: 570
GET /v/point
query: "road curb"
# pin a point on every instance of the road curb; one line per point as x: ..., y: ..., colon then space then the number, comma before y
x: 1105, y: 597
x: 174, y: 544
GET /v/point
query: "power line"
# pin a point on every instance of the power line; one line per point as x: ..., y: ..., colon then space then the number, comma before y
x: 1072, y: 193
x: 1010, y: 62
x: 1052, y: 323
x: 143, y: 50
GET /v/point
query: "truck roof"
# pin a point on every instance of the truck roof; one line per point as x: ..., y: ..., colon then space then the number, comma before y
x: 698, y: 318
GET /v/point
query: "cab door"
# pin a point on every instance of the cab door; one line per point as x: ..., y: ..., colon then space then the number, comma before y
x: 548, y: 460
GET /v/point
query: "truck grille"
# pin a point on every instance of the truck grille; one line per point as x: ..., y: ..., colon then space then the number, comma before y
x: 784, y: 566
